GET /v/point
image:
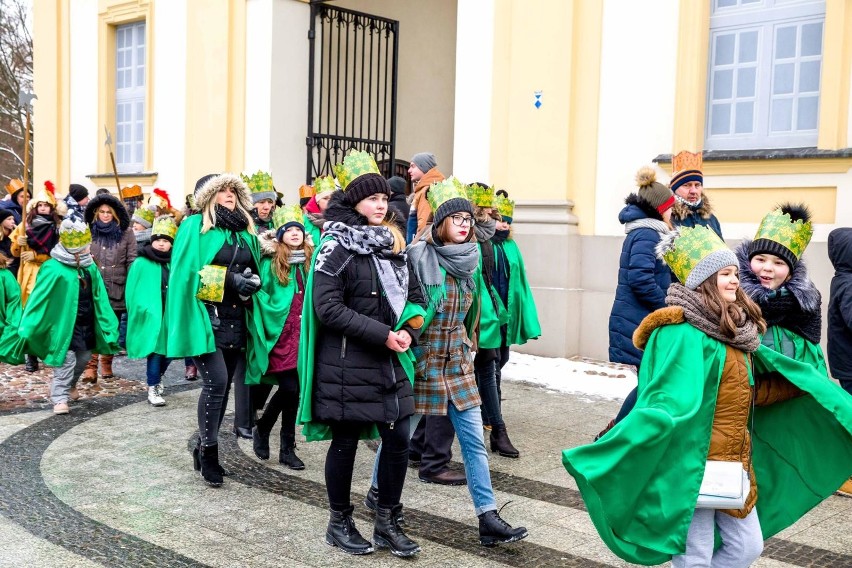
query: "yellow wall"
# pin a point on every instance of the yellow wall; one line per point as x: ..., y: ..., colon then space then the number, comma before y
x: 749, y: 204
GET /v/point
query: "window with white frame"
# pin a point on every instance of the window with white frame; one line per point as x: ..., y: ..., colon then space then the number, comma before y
x: 130, y: 97
x: 764, y: 75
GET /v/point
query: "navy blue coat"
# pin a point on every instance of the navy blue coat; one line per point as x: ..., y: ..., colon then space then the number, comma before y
x: 840, y: 305
x: 643, y: 280
x: 13, y: 207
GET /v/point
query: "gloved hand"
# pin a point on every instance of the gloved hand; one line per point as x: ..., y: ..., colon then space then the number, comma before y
x: 245, y: 284
x: 215, y: 322
x: 27, y: 256
x: 22, y: 240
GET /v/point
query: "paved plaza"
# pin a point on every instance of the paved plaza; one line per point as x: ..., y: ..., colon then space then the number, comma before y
x: 112, y: 485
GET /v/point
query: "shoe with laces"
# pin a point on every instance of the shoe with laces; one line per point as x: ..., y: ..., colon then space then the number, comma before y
x: 60, y: 408
x: 154, y: 397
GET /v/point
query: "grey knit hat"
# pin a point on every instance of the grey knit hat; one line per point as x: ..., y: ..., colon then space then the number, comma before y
x: 653, y: 192
x: 425, y: 161
x: 451, y: 207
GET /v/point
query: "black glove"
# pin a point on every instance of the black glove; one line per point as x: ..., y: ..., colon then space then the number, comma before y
x: 244, y: 284
x: 214, y: 317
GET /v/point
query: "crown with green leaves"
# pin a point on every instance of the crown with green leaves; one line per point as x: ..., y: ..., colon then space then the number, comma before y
x: 164, y: 226
x: 324, y: 183
x: 442, y: 191
x: 145, y: 214
x: 355, y: 164
x: 694, y: 254
x: 480, y: 196
x: 74, y: 235
x: 778, y: 226
x: 287, y: 214
x: 260, y: 182
x: 505, y: 206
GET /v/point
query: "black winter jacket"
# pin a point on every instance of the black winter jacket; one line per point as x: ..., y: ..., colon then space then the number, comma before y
x: 398, y: 210
x: 356, y: 377
x: 83, y: 336
x: 840, y: 304
x: 232, y: 332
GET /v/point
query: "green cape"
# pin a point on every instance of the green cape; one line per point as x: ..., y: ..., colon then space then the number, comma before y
x: 523, y: 318
x: 640, y: 481
x: 795, y: 346
x: 492, y: 315
x: 314, y: 430
x: 51, y: 311
x: 10, y: 316
x: 146, y: 333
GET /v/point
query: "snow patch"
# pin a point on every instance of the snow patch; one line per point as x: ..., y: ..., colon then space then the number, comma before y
x: 576, y: 376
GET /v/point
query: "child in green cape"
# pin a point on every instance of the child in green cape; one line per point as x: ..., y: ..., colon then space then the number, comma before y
x: 10, y: 312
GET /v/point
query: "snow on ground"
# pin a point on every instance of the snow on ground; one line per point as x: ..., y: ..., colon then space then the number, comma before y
x: 577, y: 375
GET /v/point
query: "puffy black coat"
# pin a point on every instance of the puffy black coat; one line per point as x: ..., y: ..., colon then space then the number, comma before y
x: 356, y: 377
x: 398, y: 210
x: 840, y: 304
x: 643, y: 280
x: 231, y: 311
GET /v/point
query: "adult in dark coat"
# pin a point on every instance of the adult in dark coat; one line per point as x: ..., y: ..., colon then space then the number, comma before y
x: 840, y: 307
x: 7, y: 225
x: 15, y: 203
x: 692, y: 205
x: 398, y: 207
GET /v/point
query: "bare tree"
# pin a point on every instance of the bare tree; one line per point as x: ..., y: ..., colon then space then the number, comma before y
x: 16, y: 74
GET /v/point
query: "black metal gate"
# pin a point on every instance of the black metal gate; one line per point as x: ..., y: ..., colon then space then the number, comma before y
x: 352, y: 81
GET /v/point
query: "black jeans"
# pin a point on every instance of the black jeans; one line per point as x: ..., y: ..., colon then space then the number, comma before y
x: 340, y: 461
x: 433, y: 442
x: 486, y: 381
x: 285, y: 402
x: 217, y: 370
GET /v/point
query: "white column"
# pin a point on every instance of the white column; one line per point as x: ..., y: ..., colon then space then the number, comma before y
x: 259, y: 32
x: 85, y: 131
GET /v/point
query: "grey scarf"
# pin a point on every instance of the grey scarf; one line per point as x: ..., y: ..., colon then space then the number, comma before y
x: 648, y: 223
x: 697, y: 314
x: 143, y: 236
x: 485, y: 229
x: 297, y: 256
x: 60, y: 253
x: 427, y: 259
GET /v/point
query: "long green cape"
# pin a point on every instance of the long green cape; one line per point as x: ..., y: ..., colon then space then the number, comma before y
x: 523, y: 318
x: 146, y: 333
x: 10, y: 316
x: 640, y: 482
x: 795, y: 346
x: 492, y: 314
x: 51, y: 311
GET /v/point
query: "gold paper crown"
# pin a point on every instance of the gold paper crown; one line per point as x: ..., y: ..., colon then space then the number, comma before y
x: 505, y: 206
x: 480, y: 196
x: 144, y: 213
x: 686, y: 160
x: 354, y: 165
x: 442, y: 191
x: 688, y: 248
x: 14, y: 185
x: 164, y: 226
x: 779, y: 227
x: 260, y: 182
x: 74, y: 235
x: 306, y: 191
x: 287, y: 214
x: 323, y: 184
x: 132, y: 191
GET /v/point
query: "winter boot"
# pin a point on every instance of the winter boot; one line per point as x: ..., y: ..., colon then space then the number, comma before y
x: 388, y: 534
x: 341, y: 532
x: 106, y: 367
x: 32, y: 364
x: 210, y: 468
x: 90, y: 374
x: 494, y: 530
x: 371, y: 501
x: 609, y: 426
x: 260, y: 442
x: 154, y: 398
x: 501, y: 443
x: 845, y: 489
x: 287, y: 456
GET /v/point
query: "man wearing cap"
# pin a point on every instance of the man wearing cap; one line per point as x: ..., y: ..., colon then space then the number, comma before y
x: 692, y: 207
x: 17, y: 196
x: 423, y: 171
x: 76, y: 200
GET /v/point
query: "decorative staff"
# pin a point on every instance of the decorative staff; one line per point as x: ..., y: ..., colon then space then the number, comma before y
x: 25, y: 100
x: 108, y: 144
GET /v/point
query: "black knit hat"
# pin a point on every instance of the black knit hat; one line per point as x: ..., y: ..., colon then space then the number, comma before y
x: 363, y: 187
x: 78, y: 192
x: 397, y: 184
x: 451, y: 207
x: 4, y: 213
x: 797, y: 234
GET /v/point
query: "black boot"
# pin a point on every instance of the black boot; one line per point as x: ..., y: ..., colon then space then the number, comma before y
x: 260, y: 442
x: 494, y: 530
x: 501, y: 443
x: 32, y: 364
x: 210, y: 468
x: 371, y: 501
x: 287, y: 456
x: 196, y: 460
x: 388, y: 534
x: 341, y: 532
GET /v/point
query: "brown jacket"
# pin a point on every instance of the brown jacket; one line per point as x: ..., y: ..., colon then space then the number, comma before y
x: 421, y: 204
x: 729, y: 439
x: 113, y: 264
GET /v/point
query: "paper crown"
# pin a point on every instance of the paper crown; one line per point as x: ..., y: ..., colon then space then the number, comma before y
x: 779, y: 227
x: 287, y: 214
x: 480, y: 196
x: 164, y: 226
x: 694, y: 254
x: 323, y: 184
x: 74, y: 235
x: 442, y: 191
x: 145, y: 214
x: 159, y: 198
x: 14, y: 185
x: 260, y: 182
x: 132, y: 191
x: 306, y: 191
x: 44, y: 195
x: 686, y: 160
x: 505, y: 206
x: 355, y: 164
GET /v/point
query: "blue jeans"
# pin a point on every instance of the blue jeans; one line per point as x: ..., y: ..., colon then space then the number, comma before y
x: 468, y: 425
x: 157, y: 365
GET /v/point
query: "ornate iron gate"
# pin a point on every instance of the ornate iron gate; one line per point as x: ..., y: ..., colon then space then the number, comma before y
x: 352, y: 81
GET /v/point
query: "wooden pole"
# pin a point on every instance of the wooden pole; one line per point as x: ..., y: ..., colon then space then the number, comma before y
x: 115, y: 172
x: 26, y: 171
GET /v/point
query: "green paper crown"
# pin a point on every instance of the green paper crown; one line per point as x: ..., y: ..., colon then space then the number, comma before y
x: 442, y: 191
x: 261, y: 182
x: 779, y: 227
x: 212, y: 287
x: 144, y: 213
x: 164, y: 226
x: 324, y: 183
x: 354, y: 165
x: 480, y: 196
x: 690, y: 245
x: 505, y: 206
x: 74, y: 235
x: 287, y: 214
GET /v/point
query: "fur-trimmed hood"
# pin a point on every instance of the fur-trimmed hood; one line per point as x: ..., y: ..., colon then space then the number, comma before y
x: 637, y: 208
x: 111, y: 200
x: 681, y: 211
x: 268, y: 243
x: 664, y: 316
x: 339, y: 211
x: 805, y: 292
x: 222, y: 181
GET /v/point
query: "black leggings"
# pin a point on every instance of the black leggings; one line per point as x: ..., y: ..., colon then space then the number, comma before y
x: 285, y: 402
x: 217, y: 370
x: 340, y: 461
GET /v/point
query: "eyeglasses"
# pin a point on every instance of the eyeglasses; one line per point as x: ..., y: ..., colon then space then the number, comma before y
x: 459, y: 220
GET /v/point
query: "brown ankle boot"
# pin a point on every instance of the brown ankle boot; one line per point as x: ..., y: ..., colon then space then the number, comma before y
x: 90, y: 375
x: 106, y: 367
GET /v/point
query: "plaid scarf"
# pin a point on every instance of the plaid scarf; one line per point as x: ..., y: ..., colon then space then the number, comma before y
x: 42, y: 235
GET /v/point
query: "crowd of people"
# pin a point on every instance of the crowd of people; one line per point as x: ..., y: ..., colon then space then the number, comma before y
x: 371, y: 310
